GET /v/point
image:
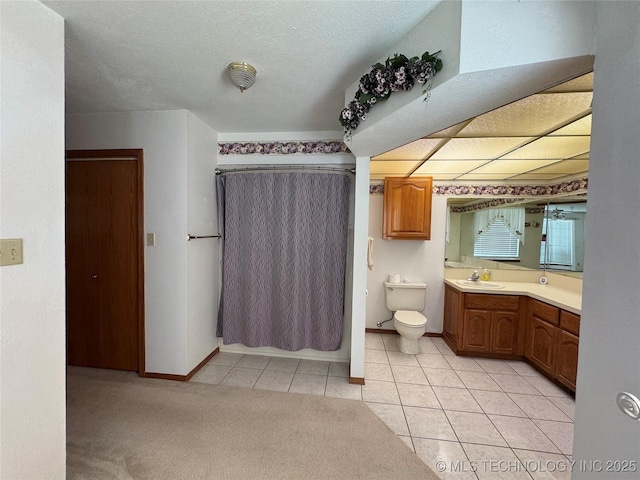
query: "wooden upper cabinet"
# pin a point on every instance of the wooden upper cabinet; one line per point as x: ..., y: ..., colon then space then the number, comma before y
x: 407, y: 208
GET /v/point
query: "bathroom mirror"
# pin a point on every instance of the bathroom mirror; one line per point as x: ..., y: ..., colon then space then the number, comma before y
x: 552, y: 233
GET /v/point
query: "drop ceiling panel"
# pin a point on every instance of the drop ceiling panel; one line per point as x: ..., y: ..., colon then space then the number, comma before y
x: 442, y: 176
x: 393, y: 167
x: 481, y: 176
x: 551, y: 148
x: 530, y: 116
x: 566, y: 167
x: 457, y: 167
x: 382, y: 176
x: 477, y: 148
x: 524, y: 140
x: 538, y: 176
x: 579, y: 127
x: 412, y: 151
x: 512, y: 167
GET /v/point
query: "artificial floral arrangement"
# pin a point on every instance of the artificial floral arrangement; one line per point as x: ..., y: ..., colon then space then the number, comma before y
x: 397, y: 73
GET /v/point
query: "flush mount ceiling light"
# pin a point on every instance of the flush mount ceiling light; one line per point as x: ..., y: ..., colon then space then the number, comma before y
x: 242, y: 75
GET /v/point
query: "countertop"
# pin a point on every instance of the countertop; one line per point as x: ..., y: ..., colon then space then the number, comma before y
x: 559, y: 297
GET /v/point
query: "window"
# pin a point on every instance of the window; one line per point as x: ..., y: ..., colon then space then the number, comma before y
x: 560, y: 242
x: 498, y: 242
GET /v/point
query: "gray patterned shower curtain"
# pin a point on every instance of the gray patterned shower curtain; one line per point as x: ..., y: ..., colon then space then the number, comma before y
x: 284, y: 259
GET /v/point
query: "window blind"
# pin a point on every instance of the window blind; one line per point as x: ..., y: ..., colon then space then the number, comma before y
x: 497, y: 241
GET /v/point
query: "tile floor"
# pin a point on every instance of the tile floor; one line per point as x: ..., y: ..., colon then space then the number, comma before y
x: 464, y: 417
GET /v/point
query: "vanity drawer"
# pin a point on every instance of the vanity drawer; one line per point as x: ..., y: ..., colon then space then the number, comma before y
x: 545, y: 312
x: 570, y: 322
x: 479, y: 301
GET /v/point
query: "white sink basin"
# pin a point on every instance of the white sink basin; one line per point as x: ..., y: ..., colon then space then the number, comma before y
x: 479, y: 284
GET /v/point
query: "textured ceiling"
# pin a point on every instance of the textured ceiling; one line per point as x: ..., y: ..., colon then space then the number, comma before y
x: 543, y: 137
x: 155, y: 55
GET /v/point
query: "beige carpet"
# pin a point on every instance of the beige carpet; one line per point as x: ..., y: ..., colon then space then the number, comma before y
x: 122, y: 426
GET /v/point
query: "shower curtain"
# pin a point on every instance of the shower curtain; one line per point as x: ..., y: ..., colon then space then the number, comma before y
x: 284, y: 259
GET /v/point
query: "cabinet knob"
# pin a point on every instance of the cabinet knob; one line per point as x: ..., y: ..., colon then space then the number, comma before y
x: 94, y: 276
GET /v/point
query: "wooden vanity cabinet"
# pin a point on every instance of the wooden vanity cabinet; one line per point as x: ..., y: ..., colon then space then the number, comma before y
x: 505, y: 331
x: 485, y: 324
x: 476, y: 331
x: 541, y: 335
x: 406, y: 213
x: 566, y: 369
x: 552, y: 341
x: 541, y: 344
x: 513, y: 327
x: 491, y: 324
x: 453, y: 307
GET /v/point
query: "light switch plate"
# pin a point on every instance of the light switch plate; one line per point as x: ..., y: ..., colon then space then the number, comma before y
x: 151, y: 239
x: 10, y: 251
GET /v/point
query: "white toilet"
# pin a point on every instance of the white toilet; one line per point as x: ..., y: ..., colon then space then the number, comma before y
x: 406, y: 301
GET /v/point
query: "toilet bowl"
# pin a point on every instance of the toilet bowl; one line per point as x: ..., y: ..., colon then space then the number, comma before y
x: 406, y: 301
x: 411, y: 326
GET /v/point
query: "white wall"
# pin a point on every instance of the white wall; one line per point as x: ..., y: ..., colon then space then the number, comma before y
x: 610, y: 326
x: 359, y: 262
x: 414, y: 260
x: 163, y: 136
x: 32, y: 302
x: 553, y: 30
x: 202, y: 254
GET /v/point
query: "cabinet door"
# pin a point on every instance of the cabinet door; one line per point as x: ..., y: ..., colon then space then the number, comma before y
x: 407, y: 208
x: 451, y: 313
x: 504, y: 329
x: 476, y: 334
x: 567, y: 359
x: 541, y: 344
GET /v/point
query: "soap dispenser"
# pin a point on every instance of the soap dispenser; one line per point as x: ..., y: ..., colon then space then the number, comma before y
x: 486, y: 275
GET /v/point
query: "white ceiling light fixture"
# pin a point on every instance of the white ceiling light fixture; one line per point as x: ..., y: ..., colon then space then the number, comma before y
x: 242, y: 75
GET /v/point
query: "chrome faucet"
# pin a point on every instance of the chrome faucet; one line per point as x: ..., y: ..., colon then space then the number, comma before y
x: 474, y: 276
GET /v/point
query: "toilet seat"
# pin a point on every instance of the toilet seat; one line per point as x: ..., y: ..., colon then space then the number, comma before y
x: 410, y: 318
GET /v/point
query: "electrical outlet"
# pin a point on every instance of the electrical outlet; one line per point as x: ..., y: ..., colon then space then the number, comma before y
x: 10, y: 251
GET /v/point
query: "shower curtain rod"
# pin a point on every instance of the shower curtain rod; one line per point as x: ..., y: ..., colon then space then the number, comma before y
x: 195, y: 237
x: 219, y: 171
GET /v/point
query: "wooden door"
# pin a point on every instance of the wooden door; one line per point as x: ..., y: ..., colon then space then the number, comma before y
x: 567, y: 359
x: 504, y: 330
x: 476, y: 335
x: 104, y: 260
x: 541, y: 344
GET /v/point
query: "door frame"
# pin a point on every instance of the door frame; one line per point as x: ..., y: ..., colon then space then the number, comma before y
x: 137, y: 155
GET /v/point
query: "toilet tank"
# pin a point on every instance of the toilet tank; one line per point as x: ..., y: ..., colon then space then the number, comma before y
x: 405, y: 296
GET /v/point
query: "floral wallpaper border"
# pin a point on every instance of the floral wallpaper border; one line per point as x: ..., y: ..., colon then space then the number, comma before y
x: 327, y: 147
x: 494, y: 202
x: 507, y: 190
